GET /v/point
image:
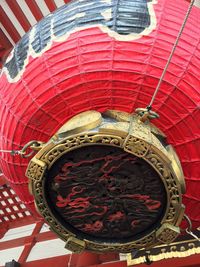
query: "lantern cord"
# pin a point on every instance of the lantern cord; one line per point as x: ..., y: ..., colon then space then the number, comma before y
x: 188, y: 230
x: 33, y: 145
x: 193, y: 235
x: 149, y: 107
x: 12, y: 152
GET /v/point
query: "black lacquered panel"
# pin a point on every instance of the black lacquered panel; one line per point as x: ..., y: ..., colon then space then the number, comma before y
x: 103, y: 193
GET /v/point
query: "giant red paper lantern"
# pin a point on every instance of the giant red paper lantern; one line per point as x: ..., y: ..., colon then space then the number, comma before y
x: 75, y: 61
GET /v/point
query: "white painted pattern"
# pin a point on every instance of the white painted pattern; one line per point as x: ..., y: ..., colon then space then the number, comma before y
x: 48, y: 249
x: 45, y: 228
x: 8, y: 255
x: 18, y: 232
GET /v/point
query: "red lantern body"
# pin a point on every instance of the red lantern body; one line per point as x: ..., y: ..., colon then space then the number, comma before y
x: 93, y: 69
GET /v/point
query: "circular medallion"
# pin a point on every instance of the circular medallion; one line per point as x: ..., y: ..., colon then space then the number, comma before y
x: 104, y: 193
x: 115, y: 187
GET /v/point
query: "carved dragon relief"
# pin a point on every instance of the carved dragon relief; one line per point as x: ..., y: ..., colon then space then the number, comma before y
x: 118, y: 148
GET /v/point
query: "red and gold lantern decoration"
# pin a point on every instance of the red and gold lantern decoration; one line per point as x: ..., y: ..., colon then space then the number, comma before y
x: 105, y: 176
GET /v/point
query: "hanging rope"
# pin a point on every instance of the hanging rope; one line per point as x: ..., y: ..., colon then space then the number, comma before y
x: 149, y: 107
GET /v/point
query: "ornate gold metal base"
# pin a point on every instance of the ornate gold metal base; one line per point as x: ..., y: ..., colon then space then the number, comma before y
x: 141, y: 140
x: 184, y: 246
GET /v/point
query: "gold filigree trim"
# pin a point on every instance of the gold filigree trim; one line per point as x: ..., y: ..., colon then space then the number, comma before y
x: 179, y: 249
x: 136, y: 138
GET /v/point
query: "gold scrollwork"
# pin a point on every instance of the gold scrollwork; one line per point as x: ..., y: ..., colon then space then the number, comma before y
x: 157, y: 162
x: 146, y: 242
x: 136, y: 146
x: 137, y: 139
x: 36, y: 169
x: 75, y: 245
x: 167, y: 233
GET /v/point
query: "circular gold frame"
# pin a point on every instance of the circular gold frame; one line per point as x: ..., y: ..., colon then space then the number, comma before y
x: 133, y: 136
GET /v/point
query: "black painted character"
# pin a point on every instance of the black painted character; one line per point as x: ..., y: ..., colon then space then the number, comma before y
x: 121, y: 16
x: 131, y: 16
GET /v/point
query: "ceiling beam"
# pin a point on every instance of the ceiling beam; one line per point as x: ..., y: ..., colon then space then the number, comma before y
x: 51, y: 5
x: 19, y: 14
x: 8, y: 25
x: 35, y: 9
